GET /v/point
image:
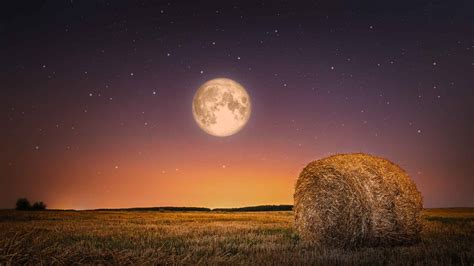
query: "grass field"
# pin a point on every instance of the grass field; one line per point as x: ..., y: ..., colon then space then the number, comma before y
x: 111, y: 237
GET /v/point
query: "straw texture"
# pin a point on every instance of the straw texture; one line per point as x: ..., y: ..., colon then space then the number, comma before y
x: 350, y: 200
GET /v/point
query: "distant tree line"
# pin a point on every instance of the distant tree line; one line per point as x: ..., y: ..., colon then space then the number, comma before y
x: 178, y: 209
x: 261, y: 208
x: 23, y: 204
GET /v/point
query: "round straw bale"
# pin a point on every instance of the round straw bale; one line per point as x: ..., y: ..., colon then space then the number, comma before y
x: 350, y: 200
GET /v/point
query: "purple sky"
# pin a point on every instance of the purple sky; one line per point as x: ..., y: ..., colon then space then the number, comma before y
x: 96, y: 98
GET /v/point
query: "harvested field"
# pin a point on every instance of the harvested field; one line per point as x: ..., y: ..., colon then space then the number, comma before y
x: 142, y: 237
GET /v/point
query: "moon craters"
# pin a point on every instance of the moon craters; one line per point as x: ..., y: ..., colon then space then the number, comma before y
x: 221, y: 107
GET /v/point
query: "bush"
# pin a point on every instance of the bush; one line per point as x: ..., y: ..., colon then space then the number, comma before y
x: 22, y: 204
x: 38, y: 206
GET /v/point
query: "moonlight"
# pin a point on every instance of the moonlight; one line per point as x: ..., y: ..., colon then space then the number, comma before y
x: 221, y: 107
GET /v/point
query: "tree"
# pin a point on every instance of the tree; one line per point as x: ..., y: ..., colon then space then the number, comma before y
x: 23, y: 204
x: 38, y: 206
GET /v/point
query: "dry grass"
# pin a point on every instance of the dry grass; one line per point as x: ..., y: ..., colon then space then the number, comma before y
x: 350, y: 200
x: 111, y: 237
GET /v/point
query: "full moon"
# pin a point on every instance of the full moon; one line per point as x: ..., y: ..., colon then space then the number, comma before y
x: 221, y: 107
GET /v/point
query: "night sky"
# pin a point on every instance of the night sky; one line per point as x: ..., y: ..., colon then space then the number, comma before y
x: 96, y: 98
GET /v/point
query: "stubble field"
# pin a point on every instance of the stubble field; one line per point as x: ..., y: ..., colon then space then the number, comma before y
x: 140, y: 237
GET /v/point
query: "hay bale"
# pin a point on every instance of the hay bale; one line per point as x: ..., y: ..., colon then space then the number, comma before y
x: 350, y: 200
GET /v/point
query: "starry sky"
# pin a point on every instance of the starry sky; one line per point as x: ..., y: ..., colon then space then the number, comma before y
x: 96, y: 98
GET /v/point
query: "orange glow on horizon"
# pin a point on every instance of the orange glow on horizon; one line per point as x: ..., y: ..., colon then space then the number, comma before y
x: 232, y: 181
